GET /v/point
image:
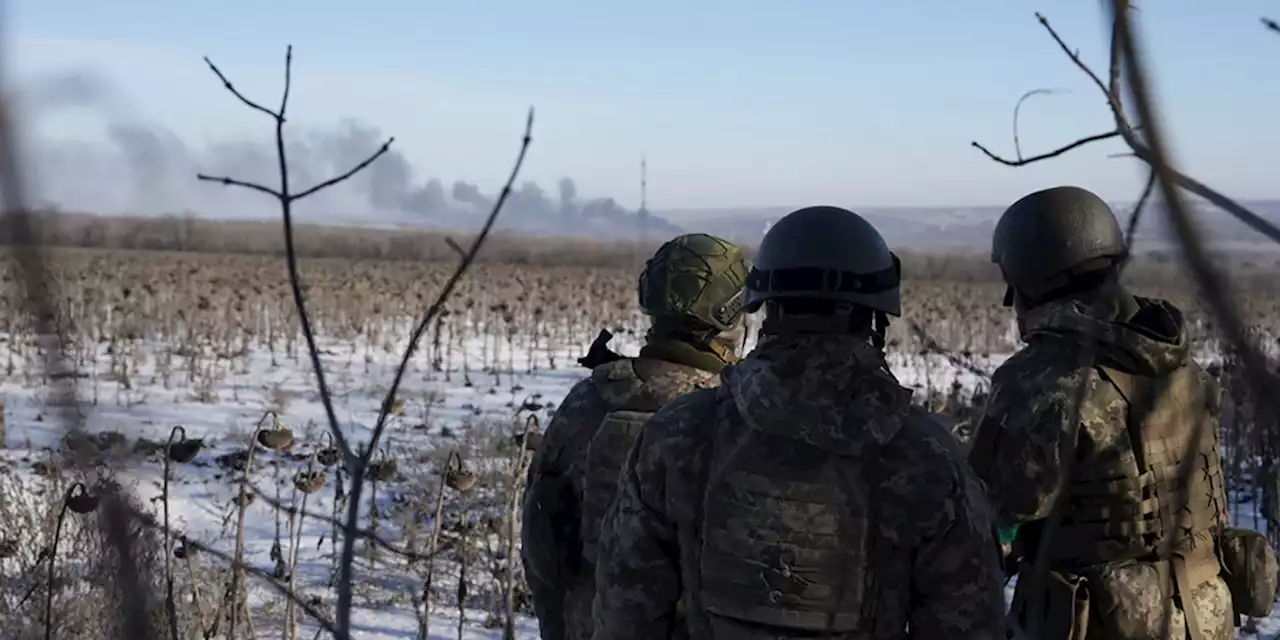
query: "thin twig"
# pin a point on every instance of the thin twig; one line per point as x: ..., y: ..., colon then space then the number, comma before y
x: 1136, y: 215
x: 1017, y: 109
x: 1022, y: 162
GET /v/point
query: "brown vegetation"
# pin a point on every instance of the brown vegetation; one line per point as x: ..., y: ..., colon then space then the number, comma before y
x: 189, y: 320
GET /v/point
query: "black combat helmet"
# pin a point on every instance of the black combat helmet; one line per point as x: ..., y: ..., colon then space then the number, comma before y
x: 825, y: 253
x: 1050, y: 238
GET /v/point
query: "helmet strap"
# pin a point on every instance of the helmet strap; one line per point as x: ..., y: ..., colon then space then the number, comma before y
x: 879, y: 327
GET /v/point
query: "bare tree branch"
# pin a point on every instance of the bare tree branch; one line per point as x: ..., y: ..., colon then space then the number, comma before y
x: 351, y: 172
x: 453, y: 244
x: 286, y: 200
x: 1212, y: 285
x: 1138, y: 208
x: 1022, y: 162
x: 1128, y: 132
x: 236, y: 92
x: 346, y: 564
x: 233, y: 182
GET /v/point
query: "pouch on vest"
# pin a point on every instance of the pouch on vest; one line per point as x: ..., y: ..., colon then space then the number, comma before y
x: 1135, y: 599
x: 1065, y: 606
x: 1250, y: 570
x: 606, y: 455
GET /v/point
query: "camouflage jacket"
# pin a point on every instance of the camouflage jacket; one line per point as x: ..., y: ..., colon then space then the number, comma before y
x: 935, y: 570
x: 1018, y: 448
x: 560, y: 579
x: 1025, y: 437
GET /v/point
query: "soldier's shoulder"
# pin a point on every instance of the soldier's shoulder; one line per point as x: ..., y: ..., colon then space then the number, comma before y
x: 1042, y: 366
x: 584, y: 401
x: 615, y: 382
x: 620, y: 370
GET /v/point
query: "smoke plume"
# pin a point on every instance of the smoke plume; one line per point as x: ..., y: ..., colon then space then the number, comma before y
x: 140, y: 168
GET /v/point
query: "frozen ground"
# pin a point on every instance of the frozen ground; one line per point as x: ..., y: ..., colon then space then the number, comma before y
x: 223, y: 408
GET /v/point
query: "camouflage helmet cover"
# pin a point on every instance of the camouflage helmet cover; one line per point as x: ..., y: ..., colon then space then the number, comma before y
x: 695, y: 277
x: 826, y: 253
x: 1046, y: 237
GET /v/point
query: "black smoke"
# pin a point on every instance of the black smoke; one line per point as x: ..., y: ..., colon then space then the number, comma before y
x: 140, y: 168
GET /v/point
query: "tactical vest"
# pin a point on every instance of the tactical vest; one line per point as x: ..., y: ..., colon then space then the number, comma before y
x: 1132, y: 504
x: 787, y: 536
x: 609, y: 447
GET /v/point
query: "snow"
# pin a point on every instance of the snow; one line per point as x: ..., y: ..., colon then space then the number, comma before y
x: 224, y: 407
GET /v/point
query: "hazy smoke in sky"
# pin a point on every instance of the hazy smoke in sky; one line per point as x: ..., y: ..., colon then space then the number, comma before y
x: 142, y: 168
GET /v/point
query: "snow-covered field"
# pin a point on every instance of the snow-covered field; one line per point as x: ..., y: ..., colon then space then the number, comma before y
x: 475, y: 413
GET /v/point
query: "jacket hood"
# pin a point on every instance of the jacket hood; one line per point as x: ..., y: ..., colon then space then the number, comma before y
x: 1153, y: 341
x: 834, y: 391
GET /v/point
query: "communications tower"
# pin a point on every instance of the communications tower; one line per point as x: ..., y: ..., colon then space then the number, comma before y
x: 643, y: 214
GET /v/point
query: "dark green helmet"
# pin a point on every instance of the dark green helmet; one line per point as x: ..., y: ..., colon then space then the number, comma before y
x: 826, y: 253
x: 695, y: 279
x: 1048, y: 237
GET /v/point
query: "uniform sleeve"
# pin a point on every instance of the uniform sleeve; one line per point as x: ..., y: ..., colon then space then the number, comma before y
x: 1020, y: 445
x: 638, y: 573
x: 549, y: 517
x: 956, y: 576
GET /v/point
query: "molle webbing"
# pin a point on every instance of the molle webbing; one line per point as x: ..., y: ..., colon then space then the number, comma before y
x: 1129, y: 504
x: 788, y: 535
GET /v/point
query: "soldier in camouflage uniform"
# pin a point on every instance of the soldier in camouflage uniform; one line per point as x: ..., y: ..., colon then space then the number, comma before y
x: 805, y: 495
x: 692, y: 288
x: 1146, y: 407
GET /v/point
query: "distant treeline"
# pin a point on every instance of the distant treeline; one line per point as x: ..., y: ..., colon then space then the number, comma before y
x: 265, y: 237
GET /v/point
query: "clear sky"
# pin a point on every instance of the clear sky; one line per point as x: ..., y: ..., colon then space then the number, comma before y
x: 735, y: 103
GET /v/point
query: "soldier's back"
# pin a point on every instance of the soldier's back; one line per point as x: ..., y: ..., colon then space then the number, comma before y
x: 822, y: 500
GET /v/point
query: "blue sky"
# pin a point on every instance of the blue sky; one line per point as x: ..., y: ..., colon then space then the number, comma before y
x: 735, y: 103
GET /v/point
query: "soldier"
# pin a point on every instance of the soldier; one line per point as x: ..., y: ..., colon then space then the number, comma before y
x: 1146, y: 407
x: 692, y: 288
x: 805, y: 495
